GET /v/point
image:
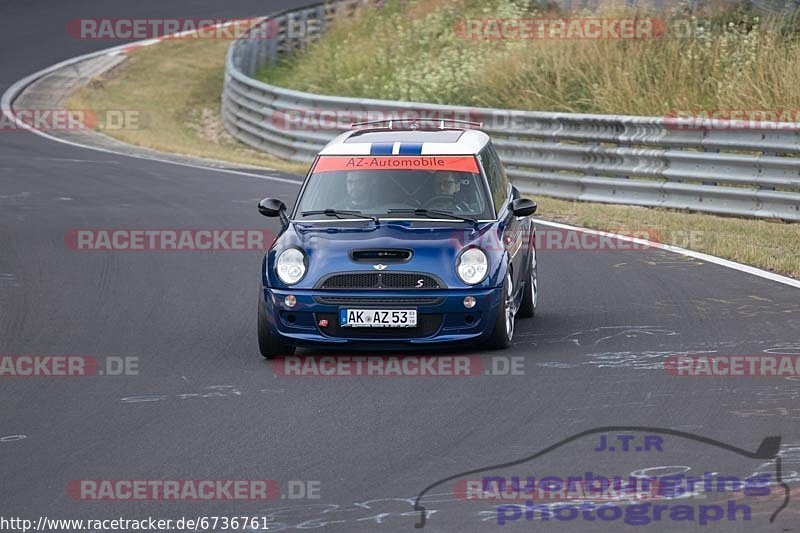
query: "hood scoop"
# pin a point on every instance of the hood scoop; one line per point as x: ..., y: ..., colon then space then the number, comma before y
x: 382, y: 255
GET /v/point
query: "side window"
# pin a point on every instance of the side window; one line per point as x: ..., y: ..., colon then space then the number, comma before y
x: 498, y: 182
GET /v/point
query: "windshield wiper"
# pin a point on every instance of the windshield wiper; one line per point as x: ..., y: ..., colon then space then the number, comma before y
x: 340, y: 213
x: 435, y: 213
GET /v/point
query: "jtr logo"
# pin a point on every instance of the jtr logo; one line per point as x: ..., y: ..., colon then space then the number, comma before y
x: 650, y: 441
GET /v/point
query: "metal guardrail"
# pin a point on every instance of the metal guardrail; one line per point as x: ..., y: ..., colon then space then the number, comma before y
x: 645, y: 161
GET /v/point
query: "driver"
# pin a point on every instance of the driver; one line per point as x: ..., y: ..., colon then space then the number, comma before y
x: 359, y: 187
x: 446, y: 185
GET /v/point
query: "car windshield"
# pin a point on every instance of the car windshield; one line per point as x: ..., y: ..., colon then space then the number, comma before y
x: 360, y: 184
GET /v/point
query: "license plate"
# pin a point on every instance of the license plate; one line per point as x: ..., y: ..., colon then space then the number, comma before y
x: 378, y: 318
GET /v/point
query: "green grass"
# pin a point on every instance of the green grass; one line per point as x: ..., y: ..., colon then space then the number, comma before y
x: 767, y: 244
x: 411, y: 51
x: 177, y: 84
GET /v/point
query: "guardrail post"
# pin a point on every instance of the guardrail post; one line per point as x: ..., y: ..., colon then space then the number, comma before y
x: 272, y: 42
x: 252, y: 59
x: 707, y: 182
x: 304, y: 30
x: 321, y: 23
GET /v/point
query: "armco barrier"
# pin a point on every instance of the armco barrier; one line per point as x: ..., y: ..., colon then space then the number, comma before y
x: 603, y: 158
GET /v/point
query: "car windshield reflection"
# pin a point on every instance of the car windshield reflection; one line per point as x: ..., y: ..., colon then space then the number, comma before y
x: 382, y: 193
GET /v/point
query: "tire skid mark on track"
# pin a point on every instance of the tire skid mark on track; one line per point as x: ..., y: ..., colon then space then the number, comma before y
x: 600, y: 334
x: 650, y: 360
x: 13, y: 198
x: 644, y: 360
x: 371, y: 512
x: 784, y: 349
x: 12, y: 438
x: 792, y: 413
x: 8, y: 280
x: 638, y: 405
x: 209, y: 392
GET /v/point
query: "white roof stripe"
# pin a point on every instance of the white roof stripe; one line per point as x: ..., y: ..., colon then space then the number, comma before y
x: 469, y: 143
x: 347, y: 149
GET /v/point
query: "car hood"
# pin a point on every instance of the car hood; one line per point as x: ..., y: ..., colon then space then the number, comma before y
x: 434, y: 248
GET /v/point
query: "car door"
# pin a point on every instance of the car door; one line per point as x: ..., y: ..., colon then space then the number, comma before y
x: 514, y: 231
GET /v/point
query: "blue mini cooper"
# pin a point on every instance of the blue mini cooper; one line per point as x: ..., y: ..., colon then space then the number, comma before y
x: 400, y: 238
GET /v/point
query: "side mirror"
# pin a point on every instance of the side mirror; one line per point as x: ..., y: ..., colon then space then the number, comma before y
x: 523, y: 207
x: 272, y: 207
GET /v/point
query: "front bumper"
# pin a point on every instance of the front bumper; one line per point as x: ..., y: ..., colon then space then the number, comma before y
x: 441, y: 316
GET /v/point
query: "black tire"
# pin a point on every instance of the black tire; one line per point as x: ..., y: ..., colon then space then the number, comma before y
x: 503, y: 330
x: 527, y: 308
x: 270, y: 345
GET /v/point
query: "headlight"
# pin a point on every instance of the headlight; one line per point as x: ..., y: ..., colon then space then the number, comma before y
x: 472, y: 266
x: 291, y: 266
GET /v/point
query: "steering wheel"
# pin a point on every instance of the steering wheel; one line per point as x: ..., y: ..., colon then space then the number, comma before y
x: 441, y: 201
x: 445, y: 202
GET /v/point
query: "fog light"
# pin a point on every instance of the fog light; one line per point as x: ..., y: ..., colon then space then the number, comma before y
x: 290, y: 301
x: 469, y: 302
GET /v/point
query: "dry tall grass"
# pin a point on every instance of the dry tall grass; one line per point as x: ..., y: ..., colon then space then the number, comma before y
x: 410, y: 51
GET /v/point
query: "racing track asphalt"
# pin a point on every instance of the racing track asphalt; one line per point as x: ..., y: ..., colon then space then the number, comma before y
x: 217, y: 411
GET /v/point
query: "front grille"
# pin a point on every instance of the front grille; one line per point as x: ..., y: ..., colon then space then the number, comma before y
x: 402, y: 280
x: 380, y: 280
x: 366, y: 300
x: 427, y: 325
x: 366, y: 280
